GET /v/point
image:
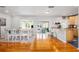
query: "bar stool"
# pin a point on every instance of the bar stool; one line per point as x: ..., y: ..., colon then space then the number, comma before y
x: 25, y: 38
x: 9, y: 37
x: 17, y: 37
x: 14, y: 38
x: 22, y: 37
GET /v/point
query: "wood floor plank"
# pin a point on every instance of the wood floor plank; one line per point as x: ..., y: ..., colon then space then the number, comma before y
x: 40, y: 45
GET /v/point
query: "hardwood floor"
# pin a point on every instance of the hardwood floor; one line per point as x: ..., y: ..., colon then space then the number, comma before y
x: 46, y: 45
x: 54, y: 45
x: 14, y: 46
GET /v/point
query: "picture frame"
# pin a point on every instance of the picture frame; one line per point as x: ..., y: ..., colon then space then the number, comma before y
x: 2, y: 21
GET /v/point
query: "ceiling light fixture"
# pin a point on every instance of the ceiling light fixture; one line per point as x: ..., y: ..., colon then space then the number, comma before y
x: 50, y: 6
x: 2, y: 6
x: 47, y: 12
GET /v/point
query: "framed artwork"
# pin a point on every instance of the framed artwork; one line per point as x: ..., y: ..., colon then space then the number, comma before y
x: 2, y: 22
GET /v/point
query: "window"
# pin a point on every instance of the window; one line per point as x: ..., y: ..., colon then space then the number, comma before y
x: 26, y: 24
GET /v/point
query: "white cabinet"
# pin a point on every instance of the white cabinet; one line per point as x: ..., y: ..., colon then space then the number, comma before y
x: 3, y: 32
x: 60, y: 34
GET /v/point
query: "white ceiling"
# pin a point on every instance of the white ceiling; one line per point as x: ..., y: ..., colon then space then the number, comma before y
x: 40, y: 10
